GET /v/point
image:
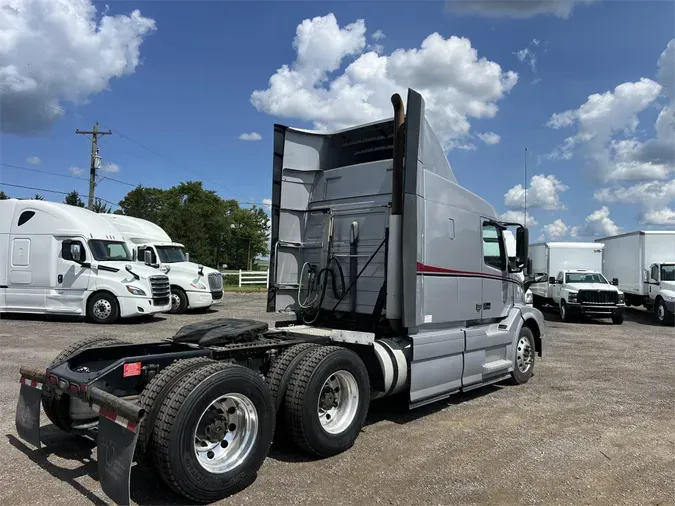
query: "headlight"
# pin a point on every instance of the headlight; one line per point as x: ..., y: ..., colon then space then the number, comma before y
x: 199, y: 286
x: 572, y: 297
x: 528, y: 297
x: 134, y: 290
x: 622, y: 298
x: 668, y: 298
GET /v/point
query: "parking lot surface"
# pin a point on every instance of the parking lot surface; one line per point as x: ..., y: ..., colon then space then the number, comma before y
x: 595, y: 425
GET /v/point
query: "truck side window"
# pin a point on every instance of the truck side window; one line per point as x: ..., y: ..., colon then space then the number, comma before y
x: 655, y: 272
x: 65, y: 250
x: 494, y: 254
x: 25, y: 216
x: 141, y: 255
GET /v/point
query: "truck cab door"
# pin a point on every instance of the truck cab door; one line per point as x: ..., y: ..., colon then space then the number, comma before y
x: 72, y: 278
x: 495, y: 280
x: 654, y: 280
x: 557, y: 288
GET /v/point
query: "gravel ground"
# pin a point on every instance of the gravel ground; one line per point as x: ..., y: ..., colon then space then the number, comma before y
x: 595, y: 425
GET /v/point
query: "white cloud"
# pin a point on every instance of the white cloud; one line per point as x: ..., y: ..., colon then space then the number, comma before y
x: 528, y: 56
x: 517, y: 217
x: 606, y: 125
x: 541, y: 194
x: 555, y: 231
x: 650, y: 194
x: 267, y: 204
x: 664, y: 216
x: 457, y: 85
x: 378, y: 35
x: 253, y: 136
x: 76, y: 171
x: 54, y: 52
x: 110, y: 167
x: 33, y: 160
x: 489, y: 137
x: 597, y: 224
x: 515, y: 8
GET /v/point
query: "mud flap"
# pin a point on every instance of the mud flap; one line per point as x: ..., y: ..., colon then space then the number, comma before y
x: 116, y: 443
x: 28, y: 412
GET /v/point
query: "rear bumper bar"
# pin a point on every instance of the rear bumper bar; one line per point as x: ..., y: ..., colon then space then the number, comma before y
x: 117, y: 429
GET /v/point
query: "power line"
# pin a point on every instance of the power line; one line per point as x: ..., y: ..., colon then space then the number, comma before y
x: 118, y: 181
x: 177, y: 164
x: 52, y: 191
x: 42, y: 171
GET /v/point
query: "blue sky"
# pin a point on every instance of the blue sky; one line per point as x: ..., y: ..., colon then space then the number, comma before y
x: 175, y: 86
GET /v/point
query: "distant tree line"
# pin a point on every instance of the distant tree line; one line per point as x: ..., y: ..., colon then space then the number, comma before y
x: 214, y: 231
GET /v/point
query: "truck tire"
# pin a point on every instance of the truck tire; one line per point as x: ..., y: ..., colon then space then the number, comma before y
x: 564, y: 313
x: 179, y: 301
x: 523, y: 366
x: 213, y: 432
x: 617, y: 319
x: 327, y: 400
x: 56, y: 404
x: 277, y: 380
x: 102, y: 307
x: 153, y: 396
x: 664, y: 316
x: 536, y: 302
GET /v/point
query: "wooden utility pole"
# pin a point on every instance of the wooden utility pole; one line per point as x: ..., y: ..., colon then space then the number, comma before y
x: 95, y: 133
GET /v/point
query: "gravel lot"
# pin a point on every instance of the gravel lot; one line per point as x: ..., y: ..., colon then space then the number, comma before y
x: 595, y: 425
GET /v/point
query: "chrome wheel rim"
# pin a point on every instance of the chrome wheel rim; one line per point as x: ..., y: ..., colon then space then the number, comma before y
x: 175, y: 301
x: 226, y: 433
x: 338, y: 402
x: 661, y: 312
x: 102, y: 309
x: 563, y: 311
x: 524, y: 355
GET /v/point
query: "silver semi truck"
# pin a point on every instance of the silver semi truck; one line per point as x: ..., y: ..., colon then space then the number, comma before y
x: 400, y: 284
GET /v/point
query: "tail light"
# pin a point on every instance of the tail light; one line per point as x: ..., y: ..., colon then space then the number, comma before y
x: 74, y: 388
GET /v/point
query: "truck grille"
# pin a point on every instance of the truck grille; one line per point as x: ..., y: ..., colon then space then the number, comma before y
x: 598, y: 297
x: 215, y: 281
x: 161, y: 290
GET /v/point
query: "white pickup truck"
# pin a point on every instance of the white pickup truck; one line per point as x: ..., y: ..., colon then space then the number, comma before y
x: 583, y: 292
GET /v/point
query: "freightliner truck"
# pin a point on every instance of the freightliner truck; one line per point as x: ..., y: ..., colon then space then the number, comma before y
x: 400, y: 284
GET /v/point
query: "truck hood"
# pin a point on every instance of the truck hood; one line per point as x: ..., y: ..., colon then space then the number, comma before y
x: 142, y: 271
x: 190, y: 268
x: 591, y: 286
x: 668, y: 285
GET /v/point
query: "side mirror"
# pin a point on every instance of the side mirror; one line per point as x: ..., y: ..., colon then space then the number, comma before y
x: 187, y: 257
x: 540, y: 278
x: 529, y: 266
x: 522, y: 241
x: 76, y: 252
x: 147, y: 257
x: 615, y: 281
x: 551, y: 280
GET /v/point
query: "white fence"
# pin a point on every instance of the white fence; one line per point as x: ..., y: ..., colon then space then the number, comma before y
x: 251, y: 277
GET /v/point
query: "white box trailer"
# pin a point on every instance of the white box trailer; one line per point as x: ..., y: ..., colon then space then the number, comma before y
x: 644, y: 263
x: 549, y: 258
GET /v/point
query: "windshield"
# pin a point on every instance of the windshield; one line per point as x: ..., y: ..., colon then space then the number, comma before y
x: 585, y: 277
x: 170, y: 254
x: 112, y: 251
x: 668, y: 273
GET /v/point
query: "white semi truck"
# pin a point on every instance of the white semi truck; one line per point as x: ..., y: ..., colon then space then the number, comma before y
x: 192, y: 285
x: 61, y: 259
x: 644, y: 263
x: 400, y: 283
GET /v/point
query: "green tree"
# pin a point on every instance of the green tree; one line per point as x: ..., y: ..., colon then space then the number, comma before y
x: 73, y: 199
x: 38, y: 197
x: 3, y: 196
x: 213, y: 230
x: 100, y: 206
